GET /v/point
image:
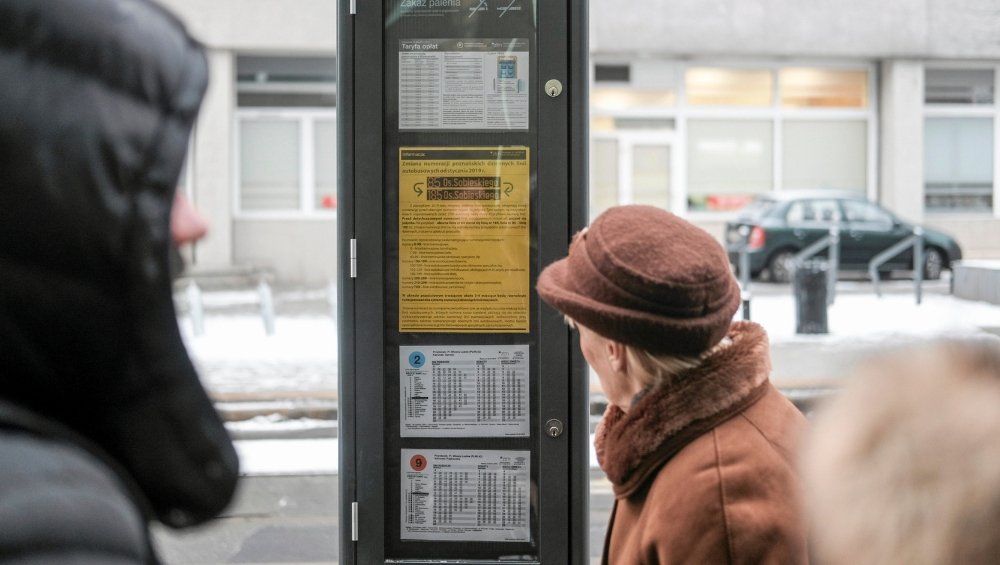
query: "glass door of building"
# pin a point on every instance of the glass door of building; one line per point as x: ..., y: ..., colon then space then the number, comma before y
x: 633, y: 168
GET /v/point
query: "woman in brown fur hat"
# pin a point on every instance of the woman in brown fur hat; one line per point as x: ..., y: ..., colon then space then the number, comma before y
x: 698, y: 444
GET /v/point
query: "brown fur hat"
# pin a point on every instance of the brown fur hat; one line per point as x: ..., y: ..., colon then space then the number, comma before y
x: 647, y: 278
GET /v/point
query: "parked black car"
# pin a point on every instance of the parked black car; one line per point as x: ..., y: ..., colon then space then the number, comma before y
x: 782, y: 224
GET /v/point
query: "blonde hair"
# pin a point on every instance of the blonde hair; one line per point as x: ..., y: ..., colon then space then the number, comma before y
x: 904, y: 466
x: 657, y: 369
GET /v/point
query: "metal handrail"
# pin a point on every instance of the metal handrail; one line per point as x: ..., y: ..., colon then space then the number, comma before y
x: 832, y: 241
x: 917, y: 242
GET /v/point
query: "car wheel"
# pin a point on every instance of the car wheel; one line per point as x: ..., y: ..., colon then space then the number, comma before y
x: 933, y: 264
x: 779, y: 268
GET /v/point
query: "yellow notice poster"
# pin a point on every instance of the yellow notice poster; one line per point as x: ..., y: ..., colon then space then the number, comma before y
x: 464, y: 242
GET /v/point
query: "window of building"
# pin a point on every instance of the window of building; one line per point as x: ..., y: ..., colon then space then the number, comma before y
x: 958, y: 86
x: 960, y: 118
x: 611, y: 99
x: 958, y: 164
x: 603, y: 175
x: 325, y: 164
x: 823, y: 88
x: 825, y: 154
x: 612, y: 73
x: 728, y: 87
x: 286, y: 126
x: 287, y: 161
x: 729, y: 161
x: 642, y: 85
x: 285, y: 82
x: 270, y: 176
x: 735, y: 132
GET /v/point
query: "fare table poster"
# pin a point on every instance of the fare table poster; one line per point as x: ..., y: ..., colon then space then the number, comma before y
x: 462, y: 84
x: 465, y: 495
x: 464, y: 240
x: 463, y: 391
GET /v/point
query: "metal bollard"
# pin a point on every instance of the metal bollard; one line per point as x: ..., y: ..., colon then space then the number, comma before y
x: 331, y: 298
x: 266, y: 306
x: 745, y: 271
x: 195, y: 309
x: 918, y: 263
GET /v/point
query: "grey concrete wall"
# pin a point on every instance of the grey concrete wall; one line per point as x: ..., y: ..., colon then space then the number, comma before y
x: 261, y: 25
x: 901, y: 125
x: 300, y: 251
x: 213, y: 163
x: 979, y: 236
x: 802, y: 28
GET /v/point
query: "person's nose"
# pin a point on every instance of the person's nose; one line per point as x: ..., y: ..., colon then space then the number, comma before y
x: 187, y: 225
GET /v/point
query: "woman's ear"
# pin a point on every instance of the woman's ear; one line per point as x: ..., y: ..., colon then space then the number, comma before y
x: 617, y: 358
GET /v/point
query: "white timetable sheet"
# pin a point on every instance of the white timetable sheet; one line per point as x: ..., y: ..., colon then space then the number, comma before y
x: 463, y: 84
x: 463, y: 391
x: 465, y: 495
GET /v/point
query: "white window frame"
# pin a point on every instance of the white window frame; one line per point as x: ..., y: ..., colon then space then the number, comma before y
x: 626, y: 141
x: 306, y: 118
x: 970, y: 111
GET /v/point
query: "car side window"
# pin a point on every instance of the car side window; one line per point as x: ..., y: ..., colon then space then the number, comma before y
x: 858, y: 211
x: 813, y: 211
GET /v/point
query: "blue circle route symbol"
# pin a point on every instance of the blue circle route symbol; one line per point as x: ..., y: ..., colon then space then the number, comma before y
x: 417, y: 359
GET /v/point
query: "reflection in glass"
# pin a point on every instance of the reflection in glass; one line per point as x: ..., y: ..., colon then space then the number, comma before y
x: 728, y: 87
x: 825, y: 154
x: 269, y: 164
x: 823, y: 88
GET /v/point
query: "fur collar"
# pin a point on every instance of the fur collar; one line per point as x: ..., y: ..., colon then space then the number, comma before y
x: 632, y: 445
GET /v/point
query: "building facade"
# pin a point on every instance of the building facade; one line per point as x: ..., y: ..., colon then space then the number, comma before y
x: 696, y: 107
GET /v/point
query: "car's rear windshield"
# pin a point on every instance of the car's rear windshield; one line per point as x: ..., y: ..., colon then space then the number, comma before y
x: 756, y: 209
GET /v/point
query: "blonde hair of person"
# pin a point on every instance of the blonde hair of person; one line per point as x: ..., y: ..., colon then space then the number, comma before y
x: 658, y: 369
x: 904, y: 465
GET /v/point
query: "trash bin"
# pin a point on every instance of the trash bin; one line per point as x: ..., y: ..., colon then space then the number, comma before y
x: 809, y: 286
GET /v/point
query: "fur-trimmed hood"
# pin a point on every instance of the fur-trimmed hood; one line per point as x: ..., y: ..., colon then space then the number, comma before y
x: 632, y: 445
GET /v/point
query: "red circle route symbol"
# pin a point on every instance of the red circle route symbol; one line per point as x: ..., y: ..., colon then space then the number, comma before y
x: 418, y: 462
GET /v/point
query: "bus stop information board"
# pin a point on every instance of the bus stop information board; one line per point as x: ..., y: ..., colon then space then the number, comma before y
x: 464, y: 240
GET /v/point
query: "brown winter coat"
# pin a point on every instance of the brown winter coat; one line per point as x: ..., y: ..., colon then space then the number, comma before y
x: 703, y: 467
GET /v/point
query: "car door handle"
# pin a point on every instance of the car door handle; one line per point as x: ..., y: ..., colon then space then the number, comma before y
x: 799, y: 233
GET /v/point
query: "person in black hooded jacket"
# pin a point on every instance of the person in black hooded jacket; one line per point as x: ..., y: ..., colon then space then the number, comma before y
x: 104, y: 424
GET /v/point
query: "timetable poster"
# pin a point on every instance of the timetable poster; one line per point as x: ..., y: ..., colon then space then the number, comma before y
x: 464, y: 239
x: 461, y: 84
x: 465, y: 495
x: 463, y: 391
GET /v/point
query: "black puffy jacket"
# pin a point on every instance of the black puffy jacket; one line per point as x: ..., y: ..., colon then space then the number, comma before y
x: 97, y: 102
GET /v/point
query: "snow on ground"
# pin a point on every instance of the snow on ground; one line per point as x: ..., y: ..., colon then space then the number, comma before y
x: 236, y: 355
x: 287, y: 456
x: 865, y: 316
